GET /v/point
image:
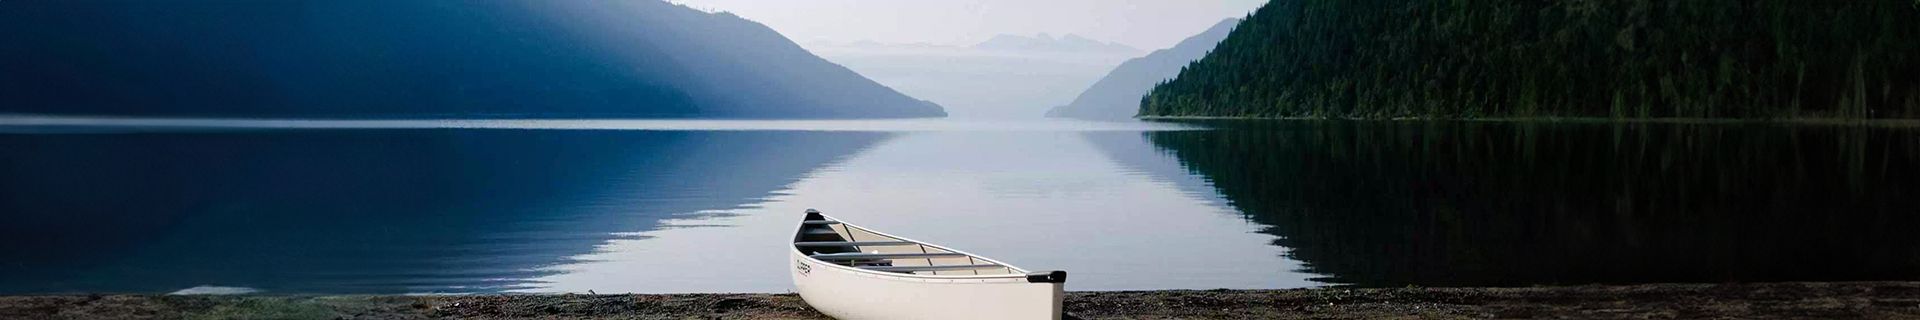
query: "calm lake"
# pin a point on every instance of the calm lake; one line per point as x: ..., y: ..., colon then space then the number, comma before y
x: 708, y: 206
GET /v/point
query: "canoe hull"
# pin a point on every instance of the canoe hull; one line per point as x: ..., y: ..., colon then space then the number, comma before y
x: 845, y: 293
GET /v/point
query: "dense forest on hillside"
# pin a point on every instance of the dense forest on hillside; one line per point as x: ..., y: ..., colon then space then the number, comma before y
x: 1586, y: 58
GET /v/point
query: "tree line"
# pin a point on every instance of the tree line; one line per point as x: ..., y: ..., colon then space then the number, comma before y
x: 1558, y: 58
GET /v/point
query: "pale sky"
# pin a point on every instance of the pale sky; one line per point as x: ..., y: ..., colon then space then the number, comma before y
x: 1144, y: 24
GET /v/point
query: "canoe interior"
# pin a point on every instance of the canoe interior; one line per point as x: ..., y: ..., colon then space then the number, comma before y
x: 852, y: 246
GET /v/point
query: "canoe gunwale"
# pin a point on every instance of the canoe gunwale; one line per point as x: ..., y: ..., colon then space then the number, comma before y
x: 1017, y: 274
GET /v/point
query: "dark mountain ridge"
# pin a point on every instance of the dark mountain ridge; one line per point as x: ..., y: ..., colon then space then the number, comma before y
x: 366, y: 58
x: 1117, y: 96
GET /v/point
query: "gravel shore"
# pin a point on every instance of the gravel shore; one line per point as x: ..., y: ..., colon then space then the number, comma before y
x: 1847, y: 300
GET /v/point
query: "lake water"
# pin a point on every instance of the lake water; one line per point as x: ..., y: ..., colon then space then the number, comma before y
x: 133, y: 205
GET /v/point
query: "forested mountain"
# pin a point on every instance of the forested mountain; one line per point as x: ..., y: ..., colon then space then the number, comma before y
x: 376, y: 58
x: 1117, y: 96
x: 1491, y: 58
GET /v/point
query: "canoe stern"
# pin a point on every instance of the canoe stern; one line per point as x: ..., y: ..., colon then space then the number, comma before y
x: 849, y: 294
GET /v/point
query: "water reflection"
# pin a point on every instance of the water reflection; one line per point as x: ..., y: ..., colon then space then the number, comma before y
x: 1040, y: 200
x: 384, y: 211
x: 1449, y: 203
x: 1249, y: 205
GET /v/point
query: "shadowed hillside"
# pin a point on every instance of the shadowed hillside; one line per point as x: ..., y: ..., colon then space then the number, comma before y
x: 369, y: 58
x: 1117, y: 96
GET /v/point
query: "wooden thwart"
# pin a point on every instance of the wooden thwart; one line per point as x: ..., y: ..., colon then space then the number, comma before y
x: 865, y: 256
x: 932, y: 268
x: 852, y: 243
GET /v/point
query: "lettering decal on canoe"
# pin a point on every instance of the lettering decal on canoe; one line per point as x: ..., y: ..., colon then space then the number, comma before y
x: 802, y: 267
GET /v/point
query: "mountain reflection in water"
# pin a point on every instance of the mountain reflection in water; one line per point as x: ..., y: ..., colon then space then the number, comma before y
x: 1476, y: 204
x: 648, y: 207
x: 356, y: 211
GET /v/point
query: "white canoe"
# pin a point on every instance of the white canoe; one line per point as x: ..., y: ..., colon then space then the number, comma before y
x: 850, y: 272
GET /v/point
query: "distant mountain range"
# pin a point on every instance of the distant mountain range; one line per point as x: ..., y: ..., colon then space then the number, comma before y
x: 1046, y: 43
x: 973, y: 82
x: 1117, y: 96
x: 376, y: 58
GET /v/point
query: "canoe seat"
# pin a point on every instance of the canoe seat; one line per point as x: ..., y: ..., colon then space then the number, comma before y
x: 935, y: 268
x: 820, y: 232
x: 819, y: 222
x: 870, y: 256
x: 851, y: 243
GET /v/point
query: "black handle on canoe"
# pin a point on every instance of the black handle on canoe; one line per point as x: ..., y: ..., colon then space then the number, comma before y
x: 814, y: 215
x: 1055, y: 276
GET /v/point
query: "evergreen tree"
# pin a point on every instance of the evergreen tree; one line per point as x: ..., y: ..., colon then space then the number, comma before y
x: 1584, y: 58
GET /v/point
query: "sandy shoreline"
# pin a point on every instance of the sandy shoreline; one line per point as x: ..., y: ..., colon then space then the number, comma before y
x: 1825, y: 300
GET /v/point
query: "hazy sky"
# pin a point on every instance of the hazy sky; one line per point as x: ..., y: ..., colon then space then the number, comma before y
x: 1146, y: 24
